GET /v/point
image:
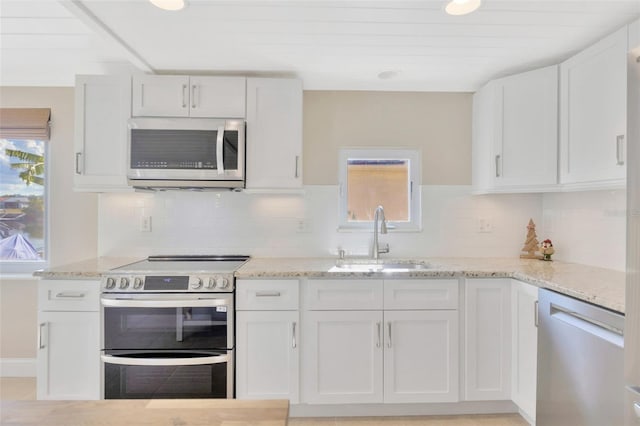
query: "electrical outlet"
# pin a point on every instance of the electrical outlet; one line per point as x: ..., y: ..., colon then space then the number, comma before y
x: 485, y: 225
x: 145, y: 223
x: 302, y: 226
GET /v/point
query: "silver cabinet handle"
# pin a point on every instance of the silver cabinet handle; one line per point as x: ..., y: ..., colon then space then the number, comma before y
x: 389, y: 332
x: 193, y: 96
x: 218, y: 359
x: 268, y: 294
x: 619, y: 150
x: 636, y: 409
x: 78, y: 155
x: 184, y: 96
x: 40, y: 327
x: 219, y: 150
x: 296, y: 174
x: 535, y: 313
x: 70, y: 295
x: 379, y: 325
x: 142, y: 95
x: 294, y: 343
x: 498, y: 165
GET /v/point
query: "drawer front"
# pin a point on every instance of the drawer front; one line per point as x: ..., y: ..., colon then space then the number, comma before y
x: 69, y: 295
x: 267, y: 295
x: 344, y: 294
x: 421, y: 294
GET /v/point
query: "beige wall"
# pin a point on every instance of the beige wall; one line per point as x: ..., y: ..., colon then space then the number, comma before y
x: 73, y: 218
x: 437, y: 123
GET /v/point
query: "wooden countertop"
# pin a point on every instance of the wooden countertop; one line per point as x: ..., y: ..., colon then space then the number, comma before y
x: 157, y: 412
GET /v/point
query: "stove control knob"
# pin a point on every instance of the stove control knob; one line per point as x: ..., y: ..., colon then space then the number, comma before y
x: 110, y: 284
x: 124, y: 283
x: 137, y: 283
x: 197, y: 283
x: 212, y: 283
x: 222, y: 282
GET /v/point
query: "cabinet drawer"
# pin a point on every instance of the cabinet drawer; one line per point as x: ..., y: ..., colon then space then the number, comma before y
x: 267, y: 295
x: 344, y: 294
x: 71, y: 295
x: 421, y: 294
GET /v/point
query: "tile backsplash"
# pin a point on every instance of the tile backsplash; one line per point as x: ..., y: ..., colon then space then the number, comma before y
x: 454, y: 223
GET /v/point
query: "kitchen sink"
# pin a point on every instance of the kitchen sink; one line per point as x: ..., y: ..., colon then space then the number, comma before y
x: 380, y: 266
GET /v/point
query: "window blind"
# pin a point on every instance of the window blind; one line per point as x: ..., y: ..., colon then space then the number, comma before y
x: 25, y: 123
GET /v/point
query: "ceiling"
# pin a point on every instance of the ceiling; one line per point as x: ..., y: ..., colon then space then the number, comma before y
x: 330, y: 45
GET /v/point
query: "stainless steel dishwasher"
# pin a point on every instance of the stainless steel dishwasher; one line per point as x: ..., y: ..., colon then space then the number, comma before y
x: 580, y: 363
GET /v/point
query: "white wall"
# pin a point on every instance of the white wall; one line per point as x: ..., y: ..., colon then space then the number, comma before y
x: 586, y: 227
x: 289, y: 225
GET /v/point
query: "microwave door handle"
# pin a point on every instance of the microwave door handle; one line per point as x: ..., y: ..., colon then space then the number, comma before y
x: 217, y: 359
x: 219, y: 150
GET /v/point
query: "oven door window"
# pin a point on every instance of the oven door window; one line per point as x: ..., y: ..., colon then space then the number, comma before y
x: 147, y: 328
x: 162, y: 375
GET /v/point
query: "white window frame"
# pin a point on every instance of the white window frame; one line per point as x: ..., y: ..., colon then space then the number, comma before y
x: 10, y: 269
x: 415, y: 178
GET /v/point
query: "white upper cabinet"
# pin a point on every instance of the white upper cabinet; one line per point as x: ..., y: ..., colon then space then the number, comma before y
x: 102, y: 108
x: 515, y: 139
x: 274, y: 133
x: 593, y: 114
x: 188, y: 96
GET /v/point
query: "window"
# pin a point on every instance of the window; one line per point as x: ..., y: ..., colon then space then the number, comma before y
x: 373, y: 177
x: 23, y: 230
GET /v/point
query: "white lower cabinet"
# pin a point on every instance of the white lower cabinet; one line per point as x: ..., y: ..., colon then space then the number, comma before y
x: 267, y: 339
x: 68, y: 357
x: 524, y: 303
x: 377, y: 355
x: 345, y: 357
x: 267, y: 355
x: 421, y: 356
x: 487, y: 339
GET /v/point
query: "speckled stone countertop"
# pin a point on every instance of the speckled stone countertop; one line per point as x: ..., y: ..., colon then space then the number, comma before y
x: 603, y: 287
x: 84, y: 270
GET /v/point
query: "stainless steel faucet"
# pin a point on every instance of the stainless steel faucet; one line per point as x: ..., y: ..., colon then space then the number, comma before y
x: 379, y: 216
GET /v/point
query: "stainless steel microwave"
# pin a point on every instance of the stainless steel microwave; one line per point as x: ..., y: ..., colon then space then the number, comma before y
x: 166, y: 153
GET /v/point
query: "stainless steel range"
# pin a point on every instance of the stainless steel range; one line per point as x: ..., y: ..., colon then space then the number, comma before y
x: 168, y: 328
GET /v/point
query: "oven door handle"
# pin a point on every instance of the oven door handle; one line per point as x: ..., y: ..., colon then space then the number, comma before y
x: 138, y: 303
x: 121, y: 360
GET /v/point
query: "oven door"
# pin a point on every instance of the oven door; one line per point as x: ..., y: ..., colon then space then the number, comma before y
x: 164, y: 322
x: 167, y: 374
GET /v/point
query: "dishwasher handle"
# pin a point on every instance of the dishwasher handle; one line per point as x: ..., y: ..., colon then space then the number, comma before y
x: 592, y: 326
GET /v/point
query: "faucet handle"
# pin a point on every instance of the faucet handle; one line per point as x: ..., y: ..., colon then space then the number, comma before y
x: 384, y: 249
x: 341, y: 253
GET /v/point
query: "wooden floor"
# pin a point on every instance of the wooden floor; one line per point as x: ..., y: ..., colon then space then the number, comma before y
x: 20, y: 388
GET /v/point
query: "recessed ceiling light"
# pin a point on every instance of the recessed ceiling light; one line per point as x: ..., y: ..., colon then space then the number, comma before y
x: 462, y: 7
x: 169, y: 4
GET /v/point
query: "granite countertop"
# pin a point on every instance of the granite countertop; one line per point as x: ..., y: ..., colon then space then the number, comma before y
x: 86, y: 269
x: 140, y: 412
x: 603, y: 287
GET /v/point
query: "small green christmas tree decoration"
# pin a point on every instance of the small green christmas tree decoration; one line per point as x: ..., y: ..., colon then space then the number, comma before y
x: 530, y: 247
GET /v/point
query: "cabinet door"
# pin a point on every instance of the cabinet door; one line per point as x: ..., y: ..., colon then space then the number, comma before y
x: 487, y: 339
x: 421, y: 356
x: 217, y: 97
x: 343, y: 357
x: 593, y: 113
x: 483, y: 130
x: 526, y: 145
x: 68, y: 359
x: 160, y: 96
x: 274, y: 133
x: 267, y: 355
x: 524, y: 298
x: 102, y: 108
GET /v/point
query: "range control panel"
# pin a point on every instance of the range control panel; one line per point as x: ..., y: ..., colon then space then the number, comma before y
x: 124, y: 283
